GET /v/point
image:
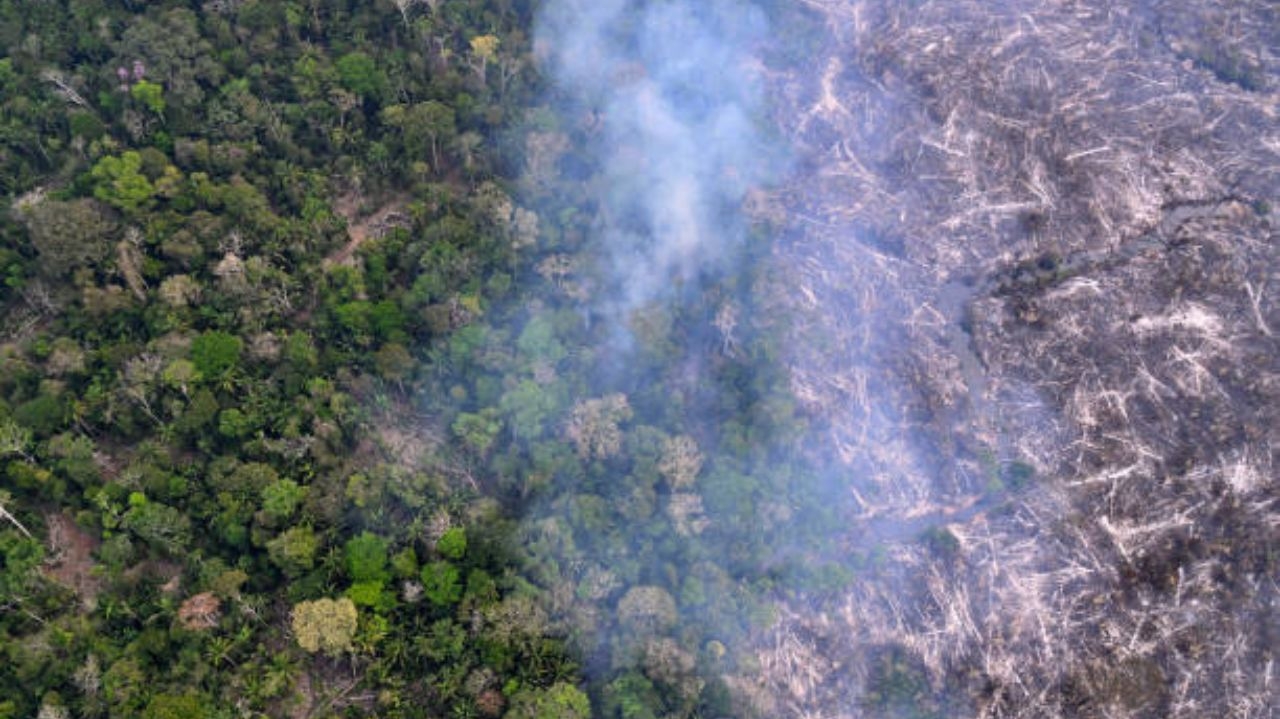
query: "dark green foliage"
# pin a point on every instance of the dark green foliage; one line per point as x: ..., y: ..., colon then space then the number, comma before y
x: 359, y: 73
x: 161, y: 526
x: 215, y: 353
x: 86, y: 125
x: 1017, y: 475
x: 898, y: 686
x: 404, y: 565
x: 366, y: 556
x: 477, y: 431
x: 234, y: 424
x: 423, y: 126
x: 441, y: 583
x: 20, y: 559
x: 224, y: 391
x: 74, y: 458
x: 1230, y: 65
x: 118, y: 181
x: 170, y: 706
x: 631, y: 696
x: 198, y: 414
x: 42, y: 415
x: 281, y: 498
x: 560, y: 701
x: 294, y: 551
x: 942, y: 542
x: 453, y: 543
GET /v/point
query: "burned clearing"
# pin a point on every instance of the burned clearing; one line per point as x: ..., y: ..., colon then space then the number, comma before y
x: 1050, y: 229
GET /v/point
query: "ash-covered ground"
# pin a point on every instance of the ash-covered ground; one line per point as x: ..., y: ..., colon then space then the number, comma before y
x: 1032, y: 249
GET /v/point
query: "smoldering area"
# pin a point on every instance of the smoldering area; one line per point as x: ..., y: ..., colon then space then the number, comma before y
x: 1017, y: 282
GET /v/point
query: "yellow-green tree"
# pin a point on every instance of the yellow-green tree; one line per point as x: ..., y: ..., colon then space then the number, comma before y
x: 294, y: 550
x: 119, y: 181
x: 484, y: 48
x: 149, y: 94
x: 326, y: 625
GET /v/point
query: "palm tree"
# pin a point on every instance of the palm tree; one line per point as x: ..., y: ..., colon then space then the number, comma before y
x: 5, y: 515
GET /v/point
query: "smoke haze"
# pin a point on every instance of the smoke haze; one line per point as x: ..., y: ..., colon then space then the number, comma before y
x: 905, y: 409
x: 670, y: 87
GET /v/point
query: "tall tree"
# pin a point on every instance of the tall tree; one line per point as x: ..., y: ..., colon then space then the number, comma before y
x: 325, y: 625
x: 70, y: 234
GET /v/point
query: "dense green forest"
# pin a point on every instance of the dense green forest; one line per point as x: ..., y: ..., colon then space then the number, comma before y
x: 303, y: 408
x: 224, y: 493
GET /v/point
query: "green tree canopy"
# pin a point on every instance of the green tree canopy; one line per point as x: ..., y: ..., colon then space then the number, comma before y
x: 559, y: 701
x: 423, y: 126
x: 294, y: 551
x: 119, y: 181
x: 215, y: 353
x: 453, y: 543
x: 359, y: 73
x: 280, y: 499
x: 366, y: 556
x: 149, y: 94
x: 175, y: 706
x: 441, y: 583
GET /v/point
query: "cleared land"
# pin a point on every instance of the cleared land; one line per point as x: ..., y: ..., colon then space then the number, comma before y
x: 1038, y: 257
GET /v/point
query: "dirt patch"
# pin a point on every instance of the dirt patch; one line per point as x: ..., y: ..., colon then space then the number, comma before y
x: 70, y: 561
x: 304, y: 698
x: 167, y: 574
x: 200, y: 612
x: 408, y: 447
x: 339, y: 691
x: 361, y: 228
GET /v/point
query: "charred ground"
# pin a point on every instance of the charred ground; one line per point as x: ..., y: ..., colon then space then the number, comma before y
x: 1052, y: 225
